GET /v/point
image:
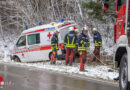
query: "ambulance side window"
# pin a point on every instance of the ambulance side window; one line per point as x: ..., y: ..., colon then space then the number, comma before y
x: 21, y: 41
x: 33, y: 39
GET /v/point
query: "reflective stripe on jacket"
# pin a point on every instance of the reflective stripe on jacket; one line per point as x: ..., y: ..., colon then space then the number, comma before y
x: 97, y: 39
x: 70, y: 40
x: 54, y: 42
x: 83, y: 42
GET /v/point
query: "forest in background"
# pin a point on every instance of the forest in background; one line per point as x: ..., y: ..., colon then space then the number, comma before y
x: 16, y: 14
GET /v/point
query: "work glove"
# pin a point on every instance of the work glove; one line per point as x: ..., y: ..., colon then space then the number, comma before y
x: 100, y: 44
x: 54, y: 49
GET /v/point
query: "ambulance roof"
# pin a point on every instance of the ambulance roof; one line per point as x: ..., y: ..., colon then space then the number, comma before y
x: 46, y: 27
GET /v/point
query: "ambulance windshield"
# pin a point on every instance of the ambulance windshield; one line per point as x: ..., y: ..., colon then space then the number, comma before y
x: 21, y: 41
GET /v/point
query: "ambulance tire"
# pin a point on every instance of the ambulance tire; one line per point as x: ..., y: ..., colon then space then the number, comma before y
x: 50, y: 54
x: 123, y: 73
x: 16, y: 59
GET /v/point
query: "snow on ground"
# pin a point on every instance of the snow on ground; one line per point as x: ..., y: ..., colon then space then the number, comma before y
x: 99, y: 71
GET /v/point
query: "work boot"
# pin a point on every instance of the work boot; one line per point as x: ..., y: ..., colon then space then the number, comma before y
x: 66, y: 63
x: 82, y: 69
x: 53, y: 62
x: 70, y: 64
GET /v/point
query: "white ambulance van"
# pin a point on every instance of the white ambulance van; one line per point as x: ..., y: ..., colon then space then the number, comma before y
x: 34, y: 44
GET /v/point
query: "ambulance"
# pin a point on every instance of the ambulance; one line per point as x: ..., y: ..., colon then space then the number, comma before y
x: 34, y: 44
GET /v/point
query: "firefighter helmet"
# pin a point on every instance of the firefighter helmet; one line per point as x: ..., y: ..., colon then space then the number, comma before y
x: 71, y: 29
x: 95, y: 29
x: 77, y: 30
x: 85, y: 28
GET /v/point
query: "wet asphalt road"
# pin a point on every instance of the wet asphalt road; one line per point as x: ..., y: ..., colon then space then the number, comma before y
x: 24, y: 78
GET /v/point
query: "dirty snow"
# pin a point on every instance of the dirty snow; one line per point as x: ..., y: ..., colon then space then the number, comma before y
x: 99, y: 71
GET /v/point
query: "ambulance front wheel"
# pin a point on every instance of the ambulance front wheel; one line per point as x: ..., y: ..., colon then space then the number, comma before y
x: 123, y: 74
x: 16, y: 59
x: 50, y: 54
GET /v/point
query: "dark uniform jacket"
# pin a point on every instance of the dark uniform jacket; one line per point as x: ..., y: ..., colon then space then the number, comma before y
x: 54, y: 42
x: 83, y: 42
x: 97, y: 39
x: 70, y: 40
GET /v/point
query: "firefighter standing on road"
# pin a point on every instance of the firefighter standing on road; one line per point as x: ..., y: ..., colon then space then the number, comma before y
x: 83, y: 44
x: 97, y: 43
x: 70, y: 43
x: 54, y: 46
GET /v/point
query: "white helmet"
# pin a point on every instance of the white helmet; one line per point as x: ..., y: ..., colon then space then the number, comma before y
x: 56, y: 31
x: 95, y: 29
x: 77, y: 30
x: 85, y: 28
x: 71, y: 28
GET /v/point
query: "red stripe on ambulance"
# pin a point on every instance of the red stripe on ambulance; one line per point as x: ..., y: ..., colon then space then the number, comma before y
x: 35, y: 31
x: 40, y: 48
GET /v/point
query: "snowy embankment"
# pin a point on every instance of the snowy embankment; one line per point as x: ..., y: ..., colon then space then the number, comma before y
x: 99, y: 71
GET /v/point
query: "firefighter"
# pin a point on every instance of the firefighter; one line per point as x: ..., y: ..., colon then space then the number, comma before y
x: 70, y: 44
x: 54, y: 46
x: 97, y: 43
x: 83, y: 44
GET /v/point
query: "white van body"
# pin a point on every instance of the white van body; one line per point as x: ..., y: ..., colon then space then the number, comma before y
x: 34, y: 44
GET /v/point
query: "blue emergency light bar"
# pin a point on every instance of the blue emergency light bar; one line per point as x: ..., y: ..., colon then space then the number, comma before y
x: 40, y: 23
x: 62, y: 20
x: 26, y: 27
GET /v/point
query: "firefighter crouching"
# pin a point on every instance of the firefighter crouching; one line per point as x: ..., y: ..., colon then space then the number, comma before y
x: 97, y: 43
x: 70, y: 44
x: 54, y: 46
x: 83, y: 44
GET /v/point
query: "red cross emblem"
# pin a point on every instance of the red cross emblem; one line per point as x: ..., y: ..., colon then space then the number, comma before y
x: 22, y: 54
x: 49, y: 35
